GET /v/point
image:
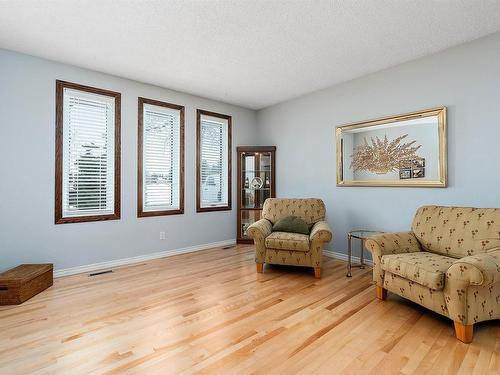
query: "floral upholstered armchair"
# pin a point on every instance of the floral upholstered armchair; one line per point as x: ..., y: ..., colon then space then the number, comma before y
x: 448, y: 263
x: 291, y: 248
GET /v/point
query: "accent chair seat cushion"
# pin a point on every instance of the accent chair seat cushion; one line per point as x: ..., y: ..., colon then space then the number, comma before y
x: 288, y: 241
x: 421, y: 267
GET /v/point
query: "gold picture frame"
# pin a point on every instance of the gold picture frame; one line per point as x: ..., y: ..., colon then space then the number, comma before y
x: 360, y: 167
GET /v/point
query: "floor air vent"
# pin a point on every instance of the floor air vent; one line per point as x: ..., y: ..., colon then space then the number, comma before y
x: 228, y: 247
x: 100, y: 273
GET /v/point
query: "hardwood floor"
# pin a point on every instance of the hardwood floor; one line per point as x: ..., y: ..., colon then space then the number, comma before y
x: 211, y: 312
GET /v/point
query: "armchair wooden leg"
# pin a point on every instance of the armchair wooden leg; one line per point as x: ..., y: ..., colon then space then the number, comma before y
x: 381, y: 293
x: 260, y: 267
x: 317, y: 272
x: 464, y: 333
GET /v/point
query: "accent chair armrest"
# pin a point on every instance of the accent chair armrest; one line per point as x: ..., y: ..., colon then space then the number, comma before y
x: 389, y: 243
x: 480, y: 269
x: 320, y: 232
x: 260, y: 229
x: 392, y: 243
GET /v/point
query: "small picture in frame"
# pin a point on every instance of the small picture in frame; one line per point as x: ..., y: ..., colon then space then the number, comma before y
x: 418, y: 172
x: 404, y: 173
x: 418, y: 163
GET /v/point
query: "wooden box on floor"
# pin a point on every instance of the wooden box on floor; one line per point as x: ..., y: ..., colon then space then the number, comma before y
x: 23, y: 282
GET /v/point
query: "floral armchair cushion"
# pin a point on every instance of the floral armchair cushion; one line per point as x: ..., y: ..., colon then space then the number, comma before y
x: 311, y: 210
x: 288, y: 241
x: 423, y: 268
x: 457, y: 231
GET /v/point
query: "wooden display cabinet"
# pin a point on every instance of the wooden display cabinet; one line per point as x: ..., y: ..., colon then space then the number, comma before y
x: 256, y: 183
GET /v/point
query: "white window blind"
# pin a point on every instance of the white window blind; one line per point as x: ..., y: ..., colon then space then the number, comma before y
x: 88, y: 154
x: 161, y: 158
x: 214, y: 162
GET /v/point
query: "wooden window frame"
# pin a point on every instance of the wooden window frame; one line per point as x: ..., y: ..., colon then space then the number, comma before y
x: 228, y: 207
x: 59, y: 219
x: 140, y: 166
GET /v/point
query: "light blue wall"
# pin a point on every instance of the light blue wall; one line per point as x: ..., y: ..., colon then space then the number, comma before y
x: 466, y: 79
x: 27, y: 128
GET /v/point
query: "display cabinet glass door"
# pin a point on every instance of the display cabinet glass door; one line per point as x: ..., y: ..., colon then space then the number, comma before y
x: 255, y: 184
x: 247, y: 218
x: 256, y: 180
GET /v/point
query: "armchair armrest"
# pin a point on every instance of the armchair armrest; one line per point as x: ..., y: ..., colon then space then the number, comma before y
x: 468, y: 287
x: 260, y: 229
x: 389, y: 243
x: 480, y: 269
x: 392, y: 243
x: 321, y: 232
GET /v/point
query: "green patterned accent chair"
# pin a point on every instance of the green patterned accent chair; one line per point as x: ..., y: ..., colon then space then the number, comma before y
x: 291, y: 248
x: 449, y: 263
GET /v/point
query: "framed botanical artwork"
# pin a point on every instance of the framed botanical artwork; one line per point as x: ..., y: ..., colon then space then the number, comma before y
x: 403, y: 150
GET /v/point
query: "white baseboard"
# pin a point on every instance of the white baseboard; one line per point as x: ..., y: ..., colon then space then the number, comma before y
x: 140, y: 258
x: 343, y: 256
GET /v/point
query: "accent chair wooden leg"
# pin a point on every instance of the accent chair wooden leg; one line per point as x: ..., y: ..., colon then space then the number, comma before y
x: 464, y: 333
x: 260, y: 267
x: 381, y: 293
x: 317, y: 272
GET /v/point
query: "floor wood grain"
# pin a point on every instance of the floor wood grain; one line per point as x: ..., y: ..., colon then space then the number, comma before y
x: 209, y: 312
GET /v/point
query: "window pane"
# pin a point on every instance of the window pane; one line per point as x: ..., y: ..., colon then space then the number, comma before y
x: 161, y: 158
x: 88, y: 154
x: 213, y: 161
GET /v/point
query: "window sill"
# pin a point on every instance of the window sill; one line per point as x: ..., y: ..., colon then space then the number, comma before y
x: 84, y: 219
x: 212, y: 209
x: 160, y: 213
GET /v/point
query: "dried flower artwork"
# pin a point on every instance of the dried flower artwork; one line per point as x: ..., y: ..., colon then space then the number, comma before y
x: 381, y: 156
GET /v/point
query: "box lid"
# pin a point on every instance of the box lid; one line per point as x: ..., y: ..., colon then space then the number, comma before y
x: 24, y: 273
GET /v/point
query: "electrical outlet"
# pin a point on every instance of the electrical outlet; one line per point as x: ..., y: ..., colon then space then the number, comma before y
x: 162, y: 236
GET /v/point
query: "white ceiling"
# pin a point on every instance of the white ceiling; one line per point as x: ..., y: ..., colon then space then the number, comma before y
x: 254, y: 53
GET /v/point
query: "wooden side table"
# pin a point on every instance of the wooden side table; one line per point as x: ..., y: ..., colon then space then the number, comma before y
x: 361, y: 235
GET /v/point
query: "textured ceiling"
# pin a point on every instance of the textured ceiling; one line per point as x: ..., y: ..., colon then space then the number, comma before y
x: 254, y: 53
